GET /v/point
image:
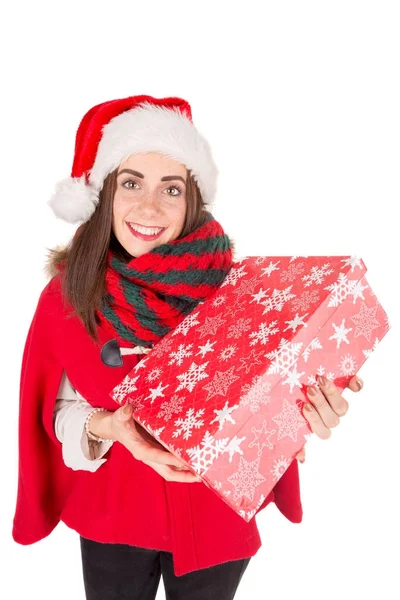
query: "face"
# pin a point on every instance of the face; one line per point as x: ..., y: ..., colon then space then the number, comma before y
x: 150, y: 202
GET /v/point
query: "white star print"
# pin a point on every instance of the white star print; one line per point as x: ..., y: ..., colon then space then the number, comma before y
x: 224, y: 415
x: 208, y: 347
x: 156, y: 392
x: 340, y: 334
x: 296, y: 322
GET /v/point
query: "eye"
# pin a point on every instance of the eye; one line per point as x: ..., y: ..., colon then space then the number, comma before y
x: 129, y: 184
x: 175, y: 187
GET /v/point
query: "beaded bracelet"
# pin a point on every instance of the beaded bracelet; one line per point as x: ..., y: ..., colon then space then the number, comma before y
x: 90, y: 435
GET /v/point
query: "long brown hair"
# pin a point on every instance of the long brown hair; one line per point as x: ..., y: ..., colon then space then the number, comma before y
x: 85, y: 257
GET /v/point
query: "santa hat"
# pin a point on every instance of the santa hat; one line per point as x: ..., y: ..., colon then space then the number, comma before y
x: 110, y: 132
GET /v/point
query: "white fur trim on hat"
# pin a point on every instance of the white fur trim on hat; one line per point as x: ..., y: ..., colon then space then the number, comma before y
x: 74, y: 200
x: 152, y: 128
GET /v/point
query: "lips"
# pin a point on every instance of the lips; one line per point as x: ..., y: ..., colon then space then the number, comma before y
x: 143, y: 236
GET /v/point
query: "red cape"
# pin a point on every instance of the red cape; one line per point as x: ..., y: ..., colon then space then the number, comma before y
x: 124, y: 501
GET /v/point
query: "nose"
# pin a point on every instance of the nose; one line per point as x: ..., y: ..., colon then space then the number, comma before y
x: 148, y: 206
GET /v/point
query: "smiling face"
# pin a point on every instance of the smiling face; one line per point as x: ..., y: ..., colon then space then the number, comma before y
x: 149, y: 205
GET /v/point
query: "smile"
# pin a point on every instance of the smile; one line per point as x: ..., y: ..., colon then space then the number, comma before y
x: 145, y: 233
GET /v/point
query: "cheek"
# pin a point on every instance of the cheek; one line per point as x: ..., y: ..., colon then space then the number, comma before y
x: 118, y: 209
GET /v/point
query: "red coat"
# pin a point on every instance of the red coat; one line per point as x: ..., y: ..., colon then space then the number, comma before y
x: 124, y: 501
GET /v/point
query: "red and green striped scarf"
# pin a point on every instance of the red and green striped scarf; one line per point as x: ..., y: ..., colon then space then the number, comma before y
x: 148, y: 296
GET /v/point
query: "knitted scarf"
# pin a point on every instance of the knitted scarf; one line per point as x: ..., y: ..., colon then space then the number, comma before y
x: 148, y: 296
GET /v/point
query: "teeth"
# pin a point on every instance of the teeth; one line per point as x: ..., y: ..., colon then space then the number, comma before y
x: 146, y: 230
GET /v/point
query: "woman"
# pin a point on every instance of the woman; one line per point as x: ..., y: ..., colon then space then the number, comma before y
x: 147, y: 253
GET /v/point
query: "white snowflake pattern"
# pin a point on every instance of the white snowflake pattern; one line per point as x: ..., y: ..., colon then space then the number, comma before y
x: 227, y: 352
x: 127, y: 386
x: 137, y: 403
x: 156, y: 392
x: 262, y: 438
x: 340, y: 334
x: 182, y: 353
x: 234, y: 447
x: 315, y: 344
x: 293, y: 378
x: 249, y: 361
x: 277, y: 300
x: 204, y: 455
x: 357, y: 291
x: 292, y: 258
x: 340, y: 289
x: 317, y: 275
x: 211, y: 325
x: 265, y: 330
x: 279, y: 467
x: 220, y: 383
x: 283, y: 357
x: 192, y: 421
x: 247, y: 515
x: 171, y: 407
x: 353, y: 261
x: 193, y: 375
x: 224, y: 415
x: 304, y: 301
x: 234, y: 275
x: 246, y: 287
x: 293, y: 324
x: 186, y: 325
x: 256, y: 393
x: 140, y: 365
x: 208, y: 347
x: 348, y: 365
x: 220, y: 299
x: 289, y: 421
x: 365, y: 321
x: 231, y: 310
x: 162, y: 347
x: 292, y: 273
x: 369, y: 351
x: 246, y: 479
x: 271, y: 268
x: 312, y: 379
x: 237, y: 329
x: 154, y: 374
x: 259, y: 260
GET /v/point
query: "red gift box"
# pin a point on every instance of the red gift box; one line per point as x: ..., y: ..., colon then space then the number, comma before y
x: 224, y: 390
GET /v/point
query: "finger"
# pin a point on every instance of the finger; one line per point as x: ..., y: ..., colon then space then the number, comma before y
x: 301, y: 456
x: 329, y: 390
x: 322, y: 406
x: 124, y: 413
x: 162, y: 457
x: 170, y: 474
x: 355, y: 384
x: 316, y: 423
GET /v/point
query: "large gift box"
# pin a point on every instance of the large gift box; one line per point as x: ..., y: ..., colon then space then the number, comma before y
x: 224, y: 390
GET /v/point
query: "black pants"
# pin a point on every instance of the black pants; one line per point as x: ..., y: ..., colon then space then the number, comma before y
x: 122, y: 572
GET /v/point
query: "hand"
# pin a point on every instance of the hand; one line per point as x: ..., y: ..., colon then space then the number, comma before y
x: 124, y: 429
x: 325, y: 408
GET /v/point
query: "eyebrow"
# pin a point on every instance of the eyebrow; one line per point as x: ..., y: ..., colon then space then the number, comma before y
x: 166, y: 178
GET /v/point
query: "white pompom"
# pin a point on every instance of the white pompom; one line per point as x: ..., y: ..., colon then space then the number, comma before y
x: 74, y: 200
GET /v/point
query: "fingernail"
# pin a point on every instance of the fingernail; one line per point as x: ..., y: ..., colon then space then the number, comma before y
x: 126, y: 409
x: 312, y: 390
x: 359, y: 384
x: 322, y: 380
x: 307, y: 407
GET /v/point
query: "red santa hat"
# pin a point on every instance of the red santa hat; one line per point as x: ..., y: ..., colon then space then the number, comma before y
x: 110, y: 132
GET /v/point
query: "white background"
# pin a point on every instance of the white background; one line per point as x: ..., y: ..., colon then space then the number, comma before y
x: 300, y: 102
